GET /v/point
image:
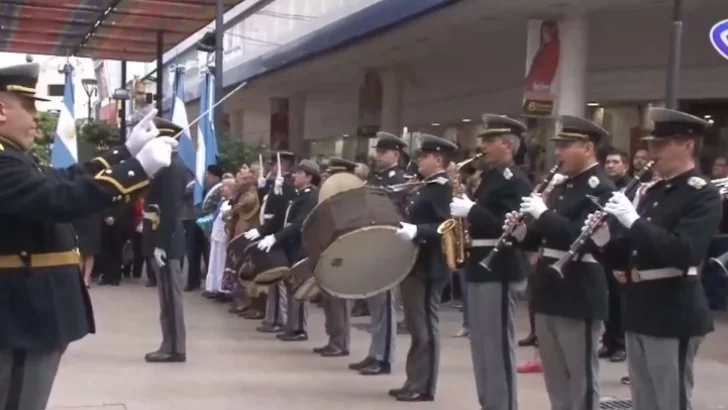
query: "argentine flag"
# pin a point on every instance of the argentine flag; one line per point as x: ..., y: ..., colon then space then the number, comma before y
x: 179, y: 117
x: 65, y: 148
x: 206, y: 154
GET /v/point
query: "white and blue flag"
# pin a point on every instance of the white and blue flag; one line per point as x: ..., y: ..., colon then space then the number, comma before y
x: 207, y: 153
x: 179, y: 117
x: 65, y: 147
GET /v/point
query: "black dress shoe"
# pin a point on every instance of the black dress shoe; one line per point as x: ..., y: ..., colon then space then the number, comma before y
x: 318, y: 350
x: 530, y: 340
x: 618, y: 356
x: 189, y: 288
x: 151, y: 284
x: 411, y: 396
x: 293, y: 337
x: 266, y: 328
x: 332, y: 351
x: 604, y: 352
x: 162, y: 357
x: 624, y: 380
x: 362, y: 364
x: 396, y: 392
x: 376, y: 368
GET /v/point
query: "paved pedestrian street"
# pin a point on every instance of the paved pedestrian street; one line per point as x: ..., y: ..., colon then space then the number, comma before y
x: 231, y: 366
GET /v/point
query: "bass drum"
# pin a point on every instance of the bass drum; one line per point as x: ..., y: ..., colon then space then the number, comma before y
x: 303, y: 284
x: 351, y: 242
x: 338, y: 183
x: 271, y: 266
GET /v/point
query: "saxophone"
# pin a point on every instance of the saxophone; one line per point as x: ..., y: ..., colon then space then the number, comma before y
x: 454, y: 232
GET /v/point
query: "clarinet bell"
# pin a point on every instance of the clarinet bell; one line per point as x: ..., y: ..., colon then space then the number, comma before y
x: 720, y: 262
x: 488, y: 260
x: 558, y: 267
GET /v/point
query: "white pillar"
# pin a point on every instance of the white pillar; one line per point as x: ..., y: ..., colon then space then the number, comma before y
x: 392, y: 88
x: 573, y: 35
x: 296, y: 123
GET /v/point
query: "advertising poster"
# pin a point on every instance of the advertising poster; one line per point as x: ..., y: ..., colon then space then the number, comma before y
x: 542, y: 69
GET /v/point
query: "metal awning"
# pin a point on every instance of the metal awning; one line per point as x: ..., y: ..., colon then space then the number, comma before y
x: 101, y: 29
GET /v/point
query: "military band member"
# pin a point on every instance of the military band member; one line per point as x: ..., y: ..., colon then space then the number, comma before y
x: 492, y: 294
x: 660, y: 246
x: 45, y: 305
x: 569, y: 309
x: 381, y: 307
x: 306, y: 178
x: 337, y: 311
x: 278, y: 193
x: 422, y: 289
x: 163, y: 242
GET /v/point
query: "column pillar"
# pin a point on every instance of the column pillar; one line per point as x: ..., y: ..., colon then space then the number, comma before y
x: 392, y: 92
x: 296, y: 124
x: 573, y: 34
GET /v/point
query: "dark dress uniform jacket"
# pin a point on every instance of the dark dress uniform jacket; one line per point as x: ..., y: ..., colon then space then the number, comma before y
x: 678, y: 219
x: 289, y: 238
x: 45, y: 304
x: 427, y: 209
x: 165, y: 198
x: 275, y: 206
x: 388, y: 177
x: 500, y: 191
x: 582, y: 293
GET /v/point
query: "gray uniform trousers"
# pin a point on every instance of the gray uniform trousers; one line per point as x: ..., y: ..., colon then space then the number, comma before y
x: 276, y: 306
x: 170, y: 279
x: 297, y: 317
x: 492, y: 343
x: 337, y: 312
x: 384, y: 327
x: 661, y: 371
x: 568, y: 349
x: 26, y: 377
x: 421, y: 305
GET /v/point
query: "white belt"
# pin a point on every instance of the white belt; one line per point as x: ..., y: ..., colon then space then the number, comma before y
x: 557, y: 254
x: 483, y: 243
x: 268, y: 216
x: 662, y: 273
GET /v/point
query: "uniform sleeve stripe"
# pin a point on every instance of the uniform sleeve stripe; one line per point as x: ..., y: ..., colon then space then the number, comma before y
x: 103, y: 162
x: 101, y: 176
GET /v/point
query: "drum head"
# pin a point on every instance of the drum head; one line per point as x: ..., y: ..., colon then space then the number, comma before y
x: 271, y: 276
x: 338, y: 183
x: 307, y: 291
x: 365, y: 262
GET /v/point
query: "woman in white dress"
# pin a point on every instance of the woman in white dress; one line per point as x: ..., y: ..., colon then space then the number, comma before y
x: 218, y: 242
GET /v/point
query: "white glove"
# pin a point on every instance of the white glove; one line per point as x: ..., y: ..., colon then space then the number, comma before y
x: 225, y: 207
x: 520, y: 232
x: 533, y: 205
x: 159, y: 256
x: 602, y: 235
x: 261, y: 181
x: 621, y: 207
x: 407, y: 231
x: 278, y: 188
x: 266, y: 243
x: 156, y: 155
x: 460, y: 207
x: 252, y: 234
x: 142, y: 133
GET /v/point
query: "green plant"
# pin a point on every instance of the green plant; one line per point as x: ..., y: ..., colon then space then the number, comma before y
x: 232, y: 154
x: 98, y: 133
x: 47, y: 124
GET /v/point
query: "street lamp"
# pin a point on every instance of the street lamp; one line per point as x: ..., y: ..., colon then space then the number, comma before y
x: 91, y: 89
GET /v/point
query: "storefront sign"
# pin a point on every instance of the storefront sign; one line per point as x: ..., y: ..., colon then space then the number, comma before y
x: 719, y: 38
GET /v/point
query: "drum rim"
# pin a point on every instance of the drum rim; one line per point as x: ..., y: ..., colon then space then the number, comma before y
x: 365, y: 295
x: 306, y: 288
x: 269, y: 272
x: 315, y: 208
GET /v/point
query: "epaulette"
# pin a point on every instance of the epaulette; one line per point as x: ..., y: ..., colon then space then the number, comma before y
x: 697, y: 182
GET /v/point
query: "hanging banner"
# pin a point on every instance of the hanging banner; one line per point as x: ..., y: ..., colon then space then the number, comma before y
x: 719, y: 38
x: 542, y: 68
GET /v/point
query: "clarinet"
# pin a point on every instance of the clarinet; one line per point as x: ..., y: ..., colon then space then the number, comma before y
x: 599, y: 219
x: 503, y: 240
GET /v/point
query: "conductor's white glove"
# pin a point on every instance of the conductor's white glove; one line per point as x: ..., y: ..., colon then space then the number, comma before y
x: 160, y: 256
x: 622, y: 208
x: 278, y: 187
x: 519, y: 233
x: 533, y: 205
x: 460, y: 207
x: 266, y: 243
x: 602, y: 235
x: 156, y: 155
x: 407, y: 231
x: 142, y: 133
x: 252, y: 234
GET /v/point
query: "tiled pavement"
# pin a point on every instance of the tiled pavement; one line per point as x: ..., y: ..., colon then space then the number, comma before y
x: 230, y: 366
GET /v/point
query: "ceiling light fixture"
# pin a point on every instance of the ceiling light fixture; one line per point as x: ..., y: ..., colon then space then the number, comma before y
x: 466, y: 120
x: 592, y: 104
x: 435, y: 124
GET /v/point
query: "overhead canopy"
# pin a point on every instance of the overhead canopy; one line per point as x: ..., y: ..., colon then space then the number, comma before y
x: 101, y: 29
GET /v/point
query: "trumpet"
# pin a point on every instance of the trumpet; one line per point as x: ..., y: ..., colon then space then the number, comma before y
x: 520, y: 218
x: 476, y: 157
x: 600, y: 216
